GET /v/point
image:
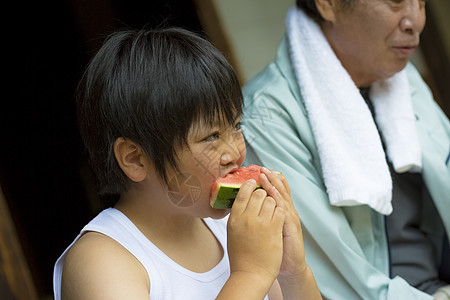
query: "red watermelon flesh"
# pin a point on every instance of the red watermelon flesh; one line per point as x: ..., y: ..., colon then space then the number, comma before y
x: 225, y: 189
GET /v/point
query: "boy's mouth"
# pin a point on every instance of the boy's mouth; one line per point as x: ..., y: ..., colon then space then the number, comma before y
x: 231, y: 170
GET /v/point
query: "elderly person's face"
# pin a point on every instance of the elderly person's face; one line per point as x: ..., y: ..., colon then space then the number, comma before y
x: 373, y: 38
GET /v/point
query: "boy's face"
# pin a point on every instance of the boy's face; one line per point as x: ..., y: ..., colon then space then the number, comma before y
x: 213, y: 152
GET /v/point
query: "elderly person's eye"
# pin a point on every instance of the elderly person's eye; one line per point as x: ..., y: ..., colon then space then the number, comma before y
x: 401, y: 1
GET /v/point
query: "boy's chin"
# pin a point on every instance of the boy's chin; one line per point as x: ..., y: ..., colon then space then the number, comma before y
x: 219, y: 213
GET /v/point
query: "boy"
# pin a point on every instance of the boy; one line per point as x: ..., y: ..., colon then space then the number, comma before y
x: 159, y: 112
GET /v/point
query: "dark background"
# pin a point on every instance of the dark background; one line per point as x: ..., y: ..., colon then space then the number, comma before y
x: 43, y: 171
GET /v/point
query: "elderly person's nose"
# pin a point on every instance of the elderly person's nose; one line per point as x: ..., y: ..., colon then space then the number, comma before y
x: 413, y: 20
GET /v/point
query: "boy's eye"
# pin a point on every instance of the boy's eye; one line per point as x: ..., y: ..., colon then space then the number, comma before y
x: 238, y: 126
x: 212, y: 137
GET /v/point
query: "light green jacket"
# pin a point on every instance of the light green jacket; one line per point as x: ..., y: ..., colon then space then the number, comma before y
x: 346, y: 247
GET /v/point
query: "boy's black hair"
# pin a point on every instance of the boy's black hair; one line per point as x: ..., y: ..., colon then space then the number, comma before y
x: 150, y: 86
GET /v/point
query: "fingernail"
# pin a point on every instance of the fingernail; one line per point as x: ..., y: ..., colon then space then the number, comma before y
x: 252, y: 180
x: 265, y: 169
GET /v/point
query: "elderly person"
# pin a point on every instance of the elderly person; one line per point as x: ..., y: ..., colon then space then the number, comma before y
x: 352, y: 125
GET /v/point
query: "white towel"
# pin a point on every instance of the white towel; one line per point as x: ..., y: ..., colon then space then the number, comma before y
x: 353, y: 161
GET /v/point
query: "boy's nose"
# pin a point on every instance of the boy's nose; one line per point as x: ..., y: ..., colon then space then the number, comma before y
x: 232, y: 155
x: 232, y: 151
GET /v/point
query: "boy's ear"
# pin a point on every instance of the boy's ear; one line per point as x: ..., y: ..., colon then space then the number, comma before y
x: 131, y: 159
x: 328, y: 9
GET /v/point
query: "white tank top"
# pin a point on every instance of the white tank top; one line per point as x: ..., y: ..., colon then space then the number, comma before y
x: 168, y: 279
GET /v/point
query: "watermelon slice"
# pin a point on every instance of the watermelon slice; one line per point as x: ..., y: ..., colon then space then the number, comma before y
x: 225, y: 189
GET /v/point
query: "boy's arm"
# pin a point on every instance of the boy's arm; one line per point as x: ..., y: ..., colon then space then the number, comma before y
x: 245, y: 286
x: 255, y: 244
x: 295, y: 277
x: 301, y: 287
x: 291, y: 289
x: 103, y: 274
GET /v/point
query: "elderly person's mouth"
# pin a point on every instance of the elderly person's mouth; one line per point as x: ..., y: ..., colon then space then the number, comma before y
x: 405, y: 50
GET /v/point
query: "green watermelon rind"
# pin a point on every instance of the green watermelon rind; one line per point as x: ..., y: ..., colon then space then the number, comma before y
x: 226, y: 194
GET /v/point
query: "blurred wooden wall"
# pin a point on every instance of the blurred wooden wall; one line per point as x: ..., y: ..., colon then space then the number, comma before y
x: 435, y: 46
x: 15, y: 276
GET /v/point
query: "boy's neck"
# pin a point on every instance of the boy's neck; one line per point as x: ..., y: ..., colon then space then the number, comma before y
x: 150, y: 213
x: 185, y: 239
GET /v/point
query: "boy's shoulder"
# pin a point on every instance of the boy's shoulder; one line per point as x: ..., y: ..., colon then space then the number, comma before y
x: 96, y: 266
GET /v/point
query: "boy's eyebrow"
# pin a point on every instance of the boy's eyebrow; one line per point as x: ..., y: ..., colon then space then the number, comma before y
x: 208, y: 124
x: 204, y: 128
x: 201, y: 128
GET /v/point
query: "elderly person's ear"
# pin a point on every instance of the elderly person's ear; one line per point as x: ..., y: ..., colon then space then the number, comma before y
x: 328, y: 9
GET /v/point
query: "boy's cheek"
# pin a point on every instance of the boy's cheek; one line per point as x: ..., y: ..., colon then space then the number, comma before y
x: 187, y: 188
x: 243, y: 154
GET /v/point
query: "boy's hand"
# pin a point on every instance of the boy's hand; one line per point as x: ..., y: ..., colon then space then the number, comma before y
x: 255, y: 242
x: 293, y: 262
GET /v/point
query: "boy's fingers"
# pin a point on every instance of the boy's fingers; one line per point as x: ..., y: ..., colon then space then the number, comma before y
x: 271, y: 189
x: 285, y: 183
x: 279, y: 181
x: 273, y: 178
x: 256, y: 201
x: 268, y: 208
x: 265, y: 183
x: 278, y: 216
x: 278, y: 197
x: 243, y: 196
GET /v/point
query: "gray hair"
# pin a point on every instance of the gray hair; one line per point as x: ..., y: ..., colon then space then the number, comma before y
x: 310, y: 8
